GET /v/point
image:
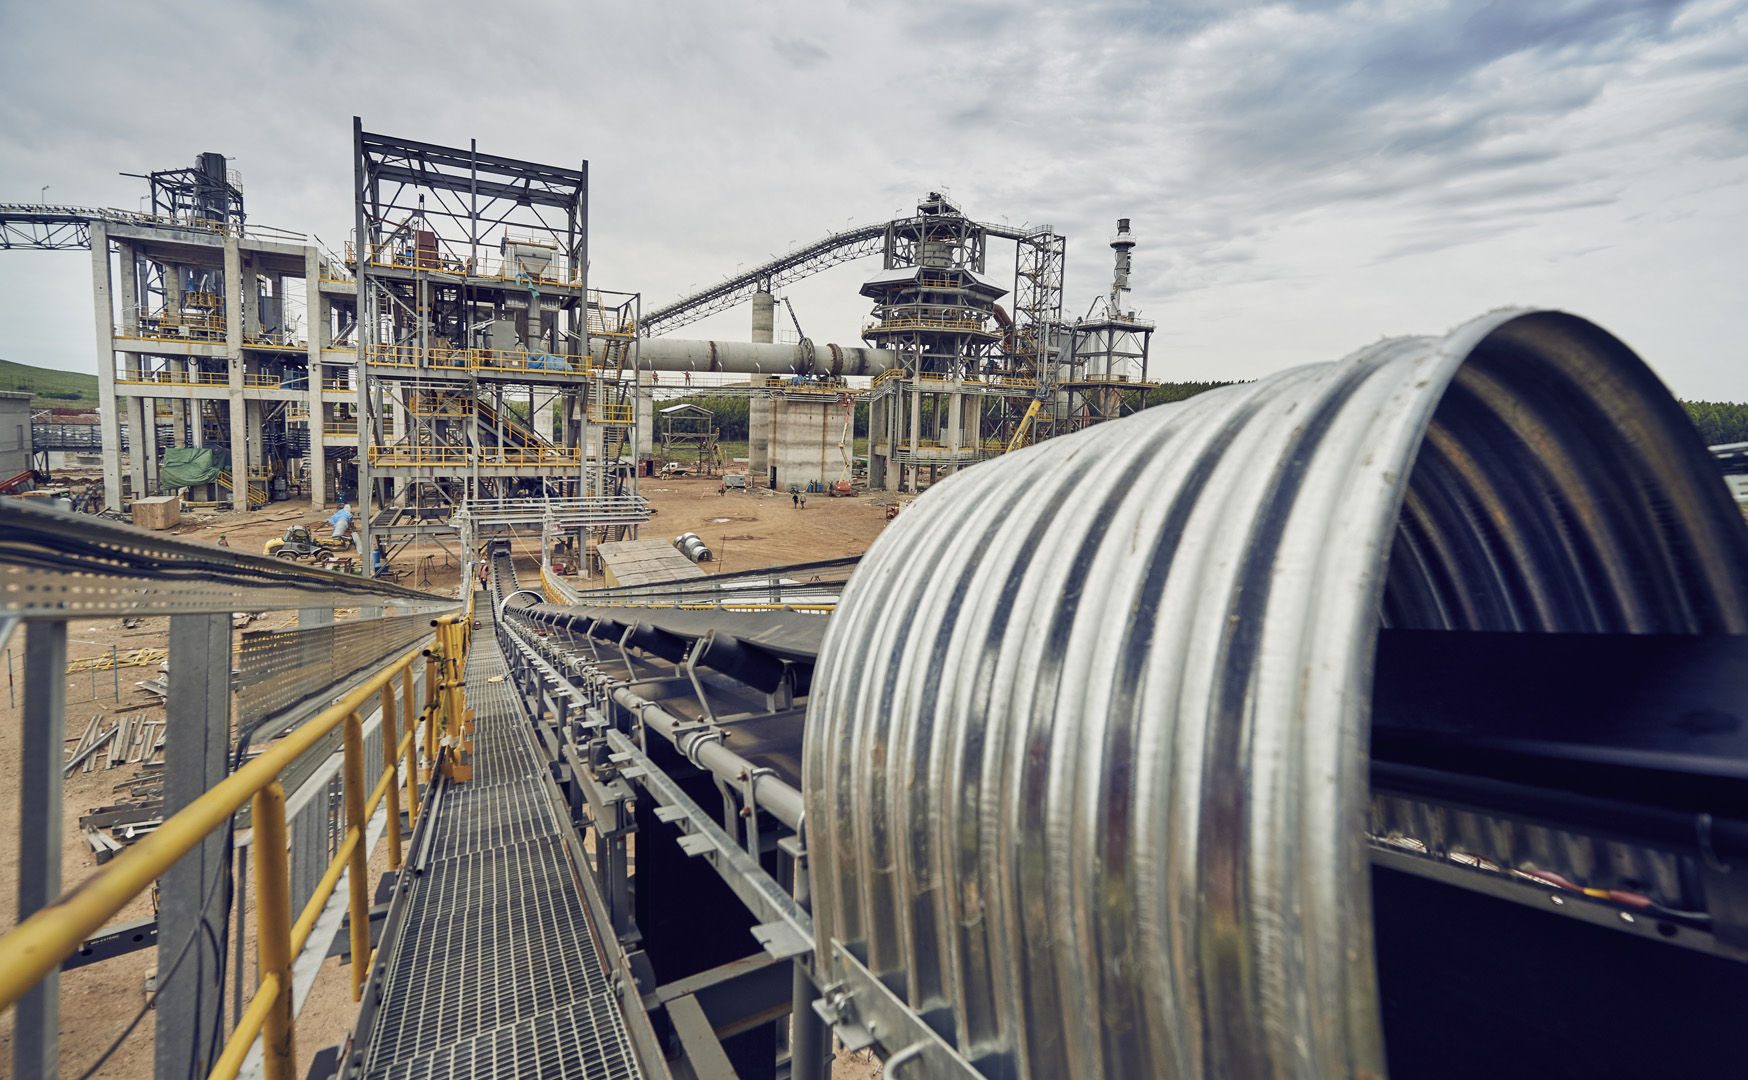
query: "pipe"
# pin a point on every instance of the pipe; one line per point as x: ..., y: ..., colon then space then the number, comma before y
x: 754, y: 358
x: 773, y: 795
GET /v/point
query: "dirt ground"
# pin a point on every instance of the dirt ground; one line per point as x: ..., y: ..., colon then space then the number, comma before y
x: 752, y: 529
x: 746, y: 530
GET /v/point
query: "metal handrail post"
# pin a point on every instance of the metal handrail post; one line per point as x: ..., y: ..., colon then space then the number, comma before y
x: 273, y: 928
x: 391, y: 758
x: 358, y: 886
x: 412, y: 759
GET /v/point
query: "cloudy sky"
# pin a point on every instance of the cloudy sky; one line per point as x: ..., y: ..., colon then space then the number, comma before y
x: 1304, y: 177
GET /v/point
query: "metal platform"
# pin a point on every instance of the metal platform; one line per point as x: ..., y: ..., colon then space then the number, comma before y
x: 496, y: 971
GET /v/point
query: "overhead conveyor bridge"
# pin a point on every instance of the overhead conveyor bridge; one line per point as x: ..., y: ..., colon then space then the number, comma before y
x: 1372, y: 718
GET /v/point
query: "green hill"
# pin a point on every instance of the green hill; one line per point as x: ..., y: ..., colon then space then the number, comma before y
x: 48, y: 387
x: 1718, y: 421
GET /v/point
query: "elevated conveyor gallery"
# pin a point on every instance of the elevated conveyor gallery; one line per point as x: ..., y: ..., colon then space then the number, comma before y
x: 494, y: 969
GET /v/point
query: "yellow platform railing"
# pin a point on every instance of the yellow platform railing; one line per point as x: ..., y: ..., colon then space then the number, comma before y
x: 39, y: 944
x: 602, y: 413
x: 449, y: 358
x: 454, y: 456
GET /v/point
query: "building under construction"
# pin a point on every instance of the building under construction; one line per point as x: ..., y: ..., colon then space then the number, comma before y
x: 453, y: 369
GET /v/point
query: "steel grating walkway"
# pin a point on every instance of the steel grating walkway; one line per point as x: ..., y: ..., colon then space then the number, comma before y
x: 495, y: 973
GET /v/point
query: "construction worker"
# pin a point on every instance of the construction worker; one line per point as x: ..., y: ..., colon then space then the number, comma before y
x: 341, y: 521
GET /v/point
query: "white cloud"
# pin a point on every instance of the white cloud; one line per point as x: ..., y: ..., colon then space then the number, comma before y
x: 1304, y: 177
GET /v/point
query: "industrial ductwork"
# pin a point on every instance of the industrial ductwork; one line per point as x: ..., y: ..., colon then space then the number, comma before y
x: 754, y: 358
x: 1086, y: 763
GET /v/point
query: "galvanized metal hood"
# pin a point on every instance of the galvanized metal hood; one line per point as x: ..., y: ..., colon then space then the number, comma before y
x: 1086, y: 759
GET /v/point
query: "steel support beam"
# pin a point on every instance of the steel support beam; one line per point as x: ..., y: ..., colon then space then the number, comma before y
x: 190, y: 1002
x: 35, y: 1046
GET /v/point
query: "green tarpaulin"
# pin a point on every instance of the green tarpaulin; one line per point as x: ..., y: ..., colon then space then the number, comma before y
x: 186, y: 466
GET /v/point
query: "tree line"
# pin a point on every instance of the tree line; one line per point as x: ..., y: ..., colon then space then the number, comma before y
x: 1717, y: 421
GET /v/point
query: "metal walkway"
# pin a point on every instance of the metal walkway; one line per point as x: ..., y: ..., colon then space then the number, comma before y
x: 495, y: 972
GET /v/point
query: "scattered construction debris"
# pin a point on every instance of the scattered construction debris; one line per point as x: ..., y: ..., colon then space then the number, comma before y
x: 130, y: 740
x: 109, y: 829
x: 130, y: 658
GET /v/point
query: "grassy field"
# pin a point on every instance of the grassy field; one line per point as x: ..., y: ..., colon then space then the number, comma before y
x: 50, y: 388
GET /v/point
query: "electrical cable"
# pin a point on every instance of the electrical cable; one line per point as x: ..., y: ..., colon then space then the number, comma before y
x: 163, y: 981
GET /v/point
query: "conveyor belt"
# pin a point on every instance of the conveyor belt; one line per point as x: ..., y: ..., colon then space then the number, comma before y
x: 495, y: 972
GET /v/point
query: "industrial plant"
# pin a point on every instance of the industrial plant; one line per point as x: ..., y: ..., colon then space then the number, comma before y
x: 1376, y: 717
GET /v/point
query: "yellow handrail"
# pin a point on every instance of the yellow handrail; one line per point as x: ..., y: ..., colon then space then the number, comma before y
x: 39, y: 944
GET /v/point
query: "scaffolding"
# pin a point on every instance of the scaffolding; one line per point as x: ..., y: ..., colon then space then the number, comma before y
x: 475, y: 319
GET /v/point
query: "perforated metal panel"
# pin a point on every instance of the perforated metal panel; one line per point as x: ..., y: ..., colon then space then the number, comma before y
x: 496, y: 973
x: 277, y: 668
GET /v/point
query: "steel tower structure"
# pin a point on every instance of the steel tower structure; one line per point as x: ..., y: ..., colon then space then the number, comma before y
x: 478, y: 396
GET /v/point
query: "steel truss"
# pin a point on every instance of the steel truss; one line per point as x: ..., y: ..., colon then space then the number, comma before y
x: 463, y: 259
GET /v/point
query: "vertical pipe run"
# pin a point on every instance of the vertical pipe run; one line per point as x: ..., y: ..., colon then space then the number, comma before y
x: 273, y: 930
x: 359, y: 887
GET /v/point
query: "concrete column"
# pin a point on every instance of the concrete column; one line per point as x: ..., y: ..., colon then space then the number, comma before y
x: 251, y: 305
x: 172, y: 288
x: 876, y: 464
x: 955, y: 428
x: 916, y: 433
x: 141, y: 412
x: 759, y: 435
x: 108, y: 408
x: 764, y: 317
x: 542, y: 413
x: 142, y: 436
x: 234, y: 351
x: 760, y: 409
x: 253, y: 409
x: 316, y: 330
x: 643, y: 434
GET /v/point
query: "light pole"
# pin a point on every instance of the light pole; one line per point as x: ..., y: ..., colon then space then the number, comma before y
x: 42, y: 196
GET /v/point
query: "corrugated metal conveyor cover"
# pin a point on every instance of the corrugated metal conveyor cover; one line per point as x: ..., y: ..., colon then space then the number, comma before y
x: 1086, y: 765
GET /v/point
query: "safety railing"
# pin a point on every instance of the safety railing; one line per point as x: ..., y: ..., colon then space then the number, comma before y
x: 438, y: 260
x: 194, y: 337
x: 439, y: 357
x: 276, y: 344
x: 507, y: 457
x: 1107, y: 379
x: 172, y: 378
x: 449, y: 358
x: 609, y: 414
x: 36, y: 948
x: 956, y: 326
